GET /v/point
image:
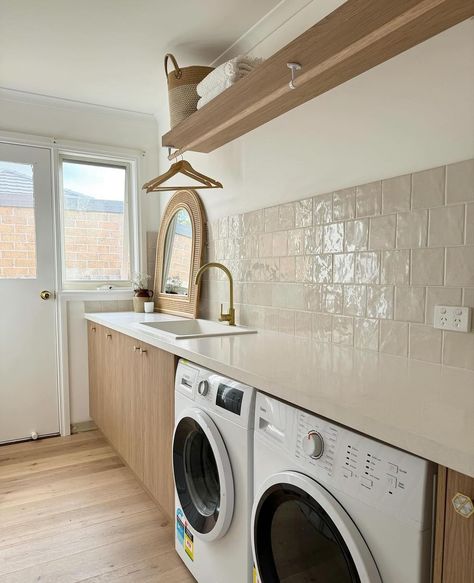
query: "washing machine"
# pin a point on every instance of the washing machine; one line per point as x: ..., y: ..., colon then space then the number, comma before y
x: 334, y: 506
x: 213, y: 474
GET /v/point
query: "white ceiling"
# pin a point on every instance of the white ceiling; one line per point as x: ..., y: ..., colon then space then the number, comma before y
x: 110, y: 52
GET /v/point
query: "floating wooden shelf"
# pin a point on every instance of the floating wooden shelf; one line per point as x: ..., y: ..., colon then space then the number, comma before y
x: 357, y: 36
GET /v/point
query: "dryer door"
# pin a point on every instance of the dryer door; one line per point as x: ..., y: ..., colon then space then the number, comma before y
x: 202, y: 474
x: 300, y: 533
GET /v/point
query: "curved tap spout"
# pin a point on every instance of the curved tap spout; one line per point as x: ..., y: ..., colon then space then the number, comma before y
x: 230, y: 316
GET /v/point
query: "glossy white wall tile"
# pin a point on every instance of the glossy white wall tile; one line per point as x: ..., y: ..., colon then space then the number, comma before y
x: 363, y: 266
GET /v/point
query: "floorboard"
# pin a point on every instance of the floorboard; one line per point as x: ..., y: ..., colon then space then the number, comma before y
x: 71, y: 511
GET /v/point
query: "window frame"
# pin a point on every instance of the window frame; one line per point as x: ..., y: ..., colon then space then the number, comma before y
x: 132, y: 213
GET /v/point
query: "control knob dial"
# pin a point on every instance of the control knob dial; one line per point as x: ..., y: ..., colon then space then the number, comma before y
x: 313, y: 444
x: 203, y: 388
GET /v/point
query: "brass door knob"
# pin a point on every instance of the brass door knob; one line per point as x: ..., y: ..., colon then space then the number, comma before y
x: 463, y: 505
x: 45, y: 294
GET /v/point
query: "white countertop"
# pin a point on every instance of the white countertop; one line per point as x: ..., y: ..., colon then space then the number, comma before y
x: 426, y: 409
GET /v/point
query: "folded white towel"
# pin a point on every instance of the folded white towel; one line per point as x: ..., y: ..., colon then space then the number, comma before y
x: 231, y: 71
x: 214, y: 93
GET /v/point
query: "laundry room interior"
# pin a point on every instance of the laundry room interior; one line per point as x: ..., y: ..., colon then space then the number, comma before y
x: 237, y: 291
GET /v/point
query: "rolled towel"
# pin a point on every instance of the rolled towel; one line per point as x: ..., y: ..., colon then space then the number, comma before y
x: 214, y: 93
x: 231, y: 71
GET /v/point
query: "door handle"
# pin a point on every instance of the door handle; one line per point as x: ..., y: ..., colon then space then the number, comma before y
x: 45, y: 294
x: 463, y: 505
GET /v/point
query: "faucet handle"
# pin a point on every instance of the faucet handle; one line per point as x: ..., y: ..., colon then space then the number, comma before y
x: 223, y: 317
x: 229, y: 317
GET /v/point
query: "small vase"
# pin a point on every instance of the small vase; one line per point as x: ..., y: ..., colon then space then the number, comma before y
x: 138, y: 303
x: 141, y: 296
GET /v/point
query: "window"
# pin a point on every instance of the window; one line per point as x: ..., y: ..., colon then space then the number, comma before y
x: 97, y: 224
x: 17, y: 221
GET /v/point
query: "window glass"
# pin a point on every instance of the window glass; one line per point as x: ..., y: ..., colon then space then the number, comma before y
x: 17, y: 221
x: 95, y: 222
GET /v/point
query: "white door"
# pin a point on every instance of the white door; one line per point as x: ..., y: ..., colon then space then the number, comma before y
x: 28, y: 359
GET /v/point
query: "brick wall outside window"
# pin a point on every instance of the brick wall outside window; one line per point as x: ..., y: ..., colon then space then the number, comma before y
x: 93, y: 244
x: 17, y: 243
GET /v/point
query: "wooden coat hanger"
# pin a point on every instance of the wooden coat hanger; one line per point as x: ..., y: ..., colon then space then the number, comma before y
x: 181, y: 167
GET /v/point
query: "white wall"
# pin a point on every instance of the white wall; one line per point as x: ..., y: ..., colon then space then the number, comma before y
x: 410, y: 113
x: 47, y: 117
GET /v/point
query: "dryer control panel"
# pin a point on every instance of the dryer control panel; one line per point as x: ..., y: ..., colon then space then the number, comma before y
x: 371, y: 471
x: 381, y: 475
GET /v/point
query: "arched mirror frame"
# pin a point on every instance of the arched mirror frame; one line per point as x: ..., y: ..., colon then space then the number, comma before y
x: 173, y: 304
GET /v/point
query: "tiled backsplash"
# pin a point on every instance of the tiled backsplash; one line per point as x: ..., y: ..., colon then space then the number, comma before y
x: 360, y: 267
x: 108, y: 306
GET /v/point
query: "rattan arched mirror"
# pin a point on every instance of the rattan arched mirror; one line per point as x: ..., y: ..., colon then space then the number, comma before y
x: 179, y: 254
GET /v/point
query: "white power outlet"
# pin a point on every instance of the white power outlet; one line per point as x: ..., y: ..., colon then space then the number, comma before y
x: 456, y: 318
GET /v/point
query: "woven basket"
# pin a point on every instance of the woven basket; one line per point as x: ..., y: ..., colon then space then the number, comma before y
x: 182, y: 94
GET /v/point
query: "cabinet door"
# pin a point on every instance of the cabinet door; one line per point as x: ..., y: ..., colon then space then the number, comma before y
x: 97, y: 375
x: 129, y: 387
x: 93, y: 373
x: 158, y: 382
x: 109, y: 377
x: 454, y: 556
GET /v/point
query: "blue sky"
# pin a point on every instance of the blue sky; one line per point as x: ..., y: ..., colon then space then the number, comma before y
x: 26, y: 169
x: 102, y: 182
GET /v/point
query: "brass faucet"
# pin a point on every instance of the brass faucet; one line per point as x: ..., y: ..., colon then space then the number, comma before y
x: 230, y: 316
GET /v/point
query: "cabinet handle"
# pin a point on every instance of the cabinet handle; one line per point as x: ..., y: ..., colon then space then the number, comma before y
x: 93, y: 328
x: 143, y: 350
x: 135, y: 348
x: 108, y: 335
x: 463, y: 505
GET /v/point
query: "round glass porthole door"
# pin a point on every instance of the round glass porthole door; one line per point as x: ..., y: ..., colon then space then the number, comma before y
x: 300, y: 533
x: 203, y: 475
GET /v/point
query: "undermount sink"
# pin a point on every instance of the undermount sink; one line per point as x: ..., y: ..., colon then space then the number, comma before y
x: 194, y: 328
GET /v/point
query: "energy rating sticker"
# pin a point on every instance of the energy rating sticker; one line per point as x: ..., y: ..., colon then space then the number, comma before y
x: 180, y: 526
x: 255, y: 578
x: 189, y: 543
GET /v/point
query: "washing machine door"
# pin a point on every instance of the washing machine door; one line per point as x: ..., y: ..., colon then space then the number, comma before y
x: 300, y: 533
x: 203, y: 474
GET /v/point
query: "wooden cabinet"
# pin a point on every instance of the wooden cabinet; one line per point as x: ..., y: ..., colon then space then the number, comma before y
x: 158, y: 371
x: 93, y: 373
x: 131, y: 392
x: 454, y: 538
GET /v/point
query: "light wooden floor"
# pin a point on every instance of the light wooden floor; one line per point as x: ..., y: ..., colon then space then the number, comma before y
x: 71, y: 511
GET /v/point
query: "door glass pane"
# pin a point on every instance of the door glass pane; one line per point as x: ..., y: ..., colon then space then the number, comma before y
x: 196, y: 475
x: 305, y: 544
x: 17, y: 222
x: 96, y: 234
x: 202, y: 475
x: 311, y: 553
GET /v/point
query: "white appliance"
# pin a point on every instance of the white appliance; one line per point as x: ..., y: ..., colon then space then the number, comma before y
x: 212, y: 464
x: 335, y: 506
